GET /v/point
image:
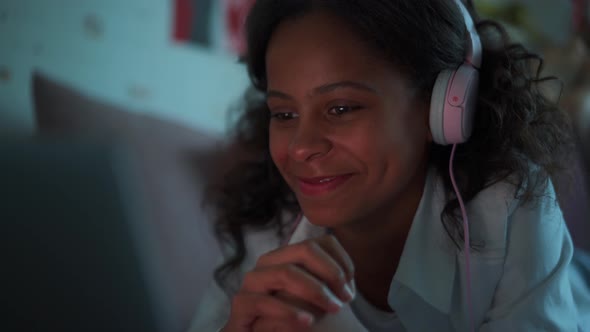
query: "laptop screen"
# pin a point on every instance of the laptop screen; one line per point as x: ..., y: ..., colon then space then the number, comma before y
x: 77, y: 258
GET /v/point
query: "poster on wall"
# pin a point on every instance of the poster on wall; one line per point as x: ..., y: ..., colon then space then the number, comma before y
x: 214, y: 24
x: 192, y: 21
x: 236, y: 12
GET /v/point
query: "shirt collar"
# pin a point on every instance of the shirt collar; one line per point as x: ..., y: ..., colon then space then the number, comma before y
x: 427, y: 264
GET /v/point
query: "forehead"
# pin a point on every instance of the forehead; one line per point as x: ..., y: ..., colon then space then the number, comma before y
x: 322, y: 46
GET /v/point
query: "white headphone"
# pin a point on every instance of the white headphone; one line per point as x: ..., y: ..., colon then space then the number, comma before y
x: 452, y: 105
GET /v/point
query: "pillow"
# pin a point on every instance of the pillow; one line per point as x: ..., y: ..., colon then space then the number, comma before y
x: 174, y: 163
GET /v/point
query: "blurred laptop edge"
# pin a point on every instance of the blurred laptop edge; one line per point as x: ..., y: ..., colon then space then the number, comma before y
x: 79, y: 257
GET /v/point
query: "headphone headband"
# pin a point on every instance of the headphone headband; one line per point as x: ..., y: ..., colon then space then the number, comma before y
x: 473, y: 55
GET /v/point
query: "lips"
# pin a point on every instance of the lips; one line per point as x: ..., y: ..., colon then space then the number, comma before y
x: 322, y: 185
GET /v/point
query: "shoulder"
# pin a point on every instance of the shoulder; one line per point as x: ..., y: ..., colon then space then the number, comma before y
x: 500, y: 213
x: 537, y: 225
x: 534, y: 266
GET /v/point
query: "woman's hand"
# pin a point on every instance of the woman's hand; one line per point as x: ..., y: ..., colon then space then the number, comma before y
x: 292, y: 286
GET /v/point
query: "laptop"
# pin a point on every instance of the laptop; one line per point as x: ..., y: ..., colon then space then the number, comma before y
x: 76, y: 256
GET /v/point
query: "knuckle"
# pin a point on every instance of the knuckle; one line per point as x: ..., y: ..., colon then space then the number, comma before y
x: 337, y: 276
x: 248, y: 279
x: 289, y: 271
x: 348, y: 269
x: 321, y: 295
x: 263, y: 259
x: 351, y: 270
x: 332, y: 241
x: 309, y: 248
x: 251, y: 280
x: 319, y: 290
x: 265, y: 325
x: 349, y: 264
x: 237, y: 300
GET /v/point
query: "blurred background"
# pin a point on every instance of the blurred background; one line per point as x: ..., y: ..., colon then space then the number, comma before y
x: 169, y: 58
x: 158, y: 77
x: 177, y: 59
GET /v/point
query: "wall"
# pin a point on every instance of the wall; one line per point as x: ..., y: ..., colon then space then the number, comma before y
x: 121, y: 51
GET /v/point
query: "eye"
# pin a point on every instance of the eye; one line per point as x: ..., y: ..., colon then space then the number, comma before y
x: 342, y: 109
x: 283, y: 116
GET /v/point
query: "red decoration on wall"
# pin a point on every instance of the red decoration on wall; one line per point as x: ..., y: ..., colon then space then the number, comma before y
x: 183, y: 20
x: 195, y: 23
x: 236, y: 12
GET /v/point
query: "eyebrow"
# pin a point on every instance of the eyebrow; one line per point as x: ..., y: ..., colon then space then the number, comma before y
x: 322, y: 89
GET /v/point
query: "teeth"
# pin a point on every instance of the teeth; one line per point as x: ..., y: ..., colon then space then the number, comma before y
x: 326, y: 180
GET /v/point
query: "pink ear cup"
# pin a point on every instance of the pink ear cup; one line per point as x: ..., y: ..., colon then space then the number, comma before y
x: 437, y: 104
x: 453, y: 100
x: 452, y: 105
x: 459, y: 104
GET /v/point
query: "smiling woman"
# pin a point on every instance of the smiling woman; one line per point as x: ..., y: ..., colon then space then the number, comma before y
x: 349, y: 132
x: 352, y: 134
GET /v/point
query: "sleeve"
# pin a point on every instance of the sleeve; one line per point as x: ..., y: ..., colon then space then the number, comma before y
x: 534, y: 292
x: 213, y: 310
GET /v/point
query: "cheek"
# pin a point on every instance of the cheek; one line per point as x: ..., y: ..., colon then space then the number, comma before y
x: 398, y: 142
x: 408, y: 127
x: 279, y: 147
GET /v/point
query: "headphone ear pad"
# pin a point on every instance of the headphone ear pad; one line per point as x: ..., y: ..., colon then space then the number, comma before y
x: 437, y: 106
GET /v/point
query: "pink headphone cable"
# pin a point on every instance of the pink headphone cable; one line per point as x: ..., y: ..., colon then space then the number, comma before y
x: 466, y: 240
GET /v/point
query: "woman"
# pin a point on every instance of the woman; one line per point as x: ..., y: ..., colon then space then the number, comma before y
x: 345, y: 210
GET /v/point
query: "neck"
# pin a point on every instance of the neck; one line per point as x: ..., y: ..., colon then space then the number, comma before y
x: 376, y: 242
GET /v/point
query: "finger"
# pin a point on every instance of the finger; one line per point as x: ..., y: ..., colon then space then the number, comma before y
x: 293, y: 280
x: 332, y: 246
x: 299, y: 303
x: 271, y: 325
x: 317, y: 261
x: 247, y: 308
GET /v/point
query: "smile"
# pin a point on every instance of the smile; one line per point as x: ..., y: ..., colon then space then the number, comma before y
x: 319, y: 186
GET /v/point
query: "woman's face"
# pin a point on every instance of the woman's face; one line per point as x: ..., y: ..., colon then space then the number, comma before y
x: 347, y: 132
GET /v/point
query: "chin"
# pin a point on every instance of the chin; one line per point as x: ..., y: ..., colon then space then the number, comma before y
x: 324, y: 216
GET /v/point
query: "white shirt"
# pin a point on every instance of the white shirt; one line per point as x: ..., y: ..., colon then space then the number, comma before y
x: 521, y: 278
x: 374, y: 319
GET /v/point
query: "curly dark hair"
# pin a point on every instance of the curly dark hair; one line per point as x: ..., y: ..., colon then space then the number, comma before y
x: 516, y: 125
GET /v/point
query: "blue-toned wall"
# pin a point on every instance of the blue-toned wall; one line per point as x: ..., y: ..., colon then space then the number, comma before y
x: 119, y: 51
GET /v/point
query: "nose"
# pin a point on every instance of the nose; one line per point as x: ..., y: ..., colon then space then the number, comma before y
x: 309, y: 142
